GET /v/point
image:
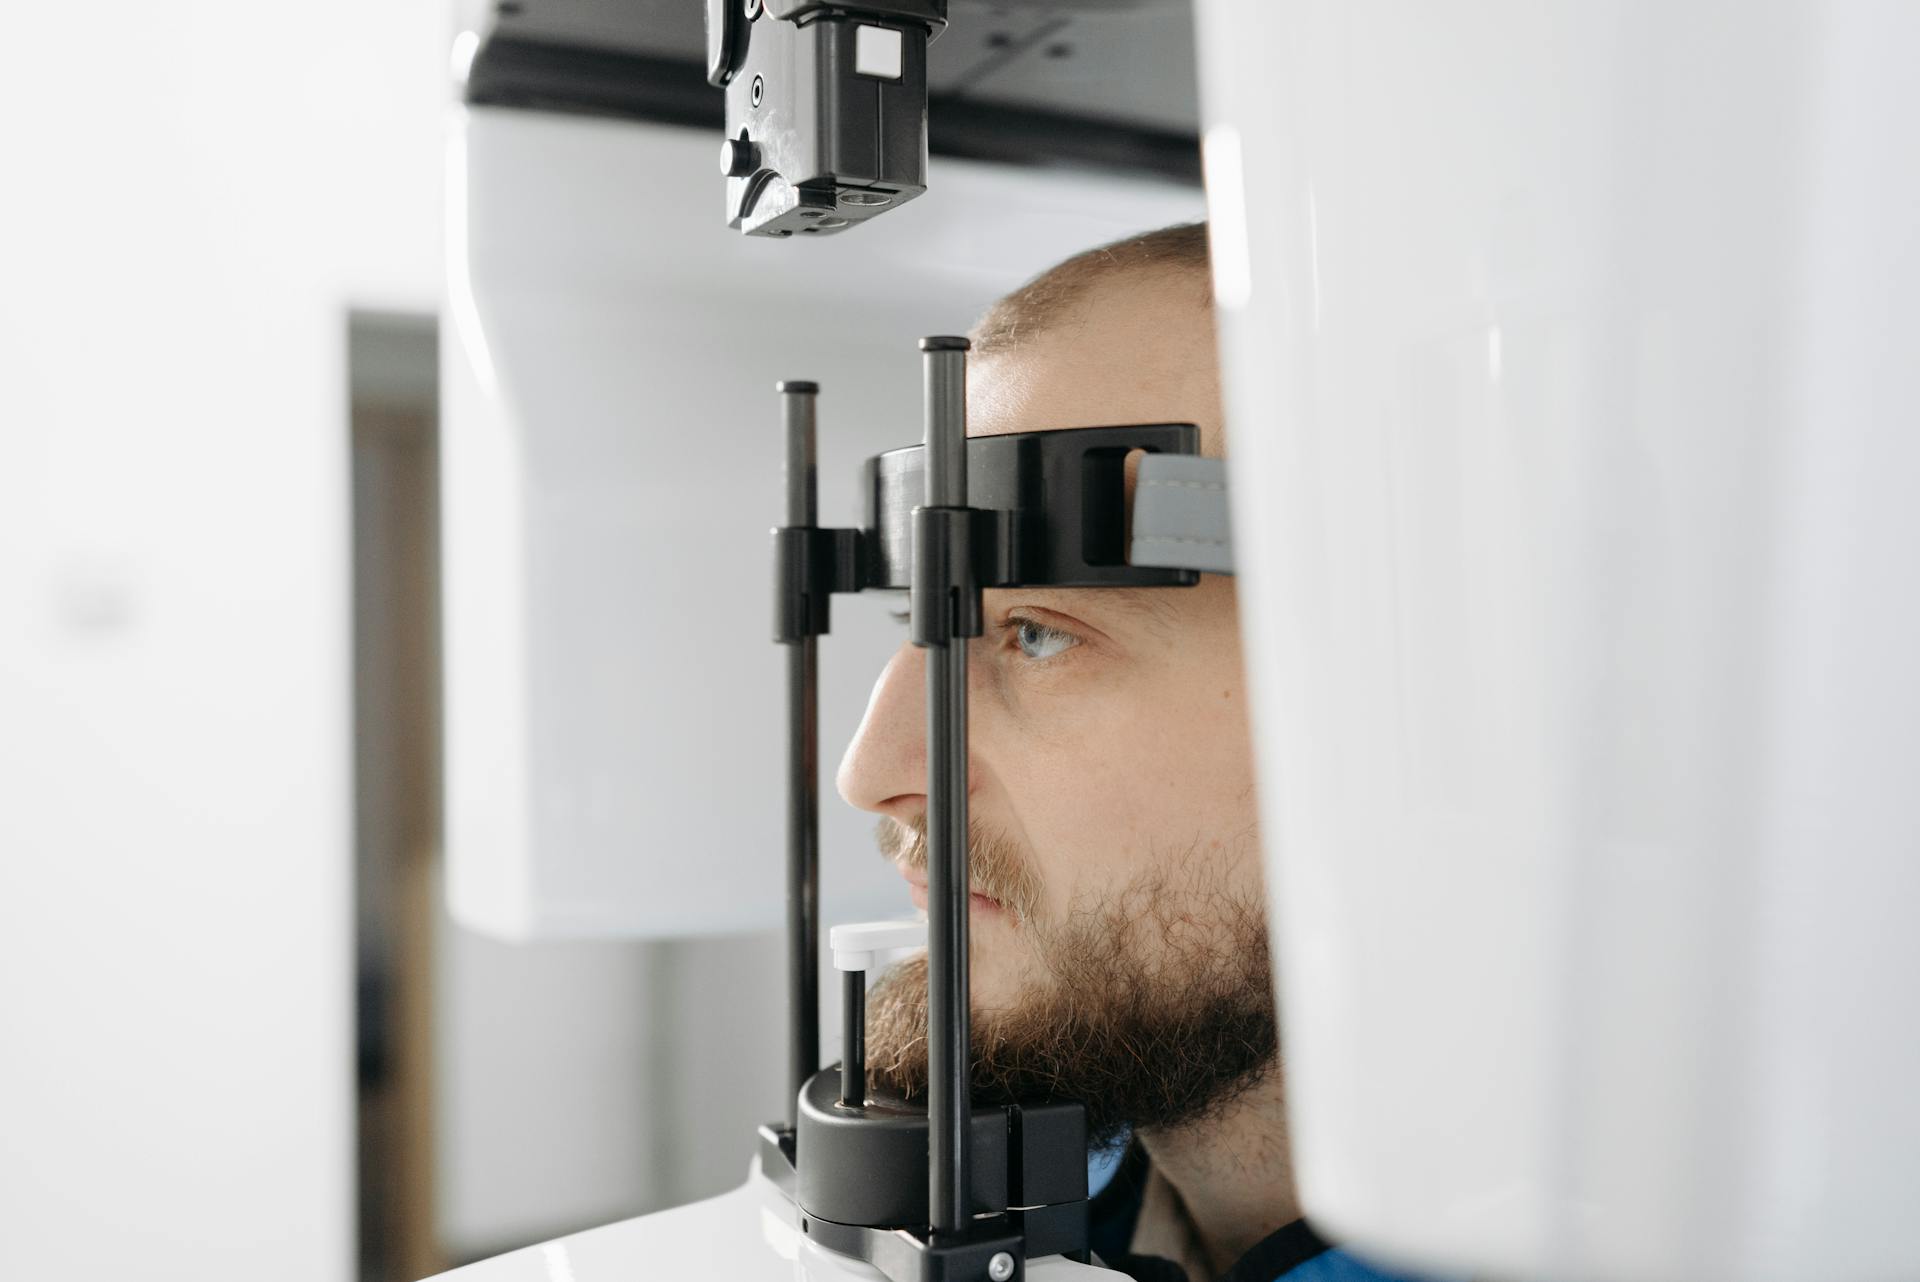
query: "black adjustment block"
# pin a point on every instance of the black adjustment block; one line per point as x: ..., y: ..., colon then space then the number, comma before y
x: 1049, y: 508
x: 1053, y: 1230
x: 946, y: 592
x: 1050, y: 1152
x: 868, y: 1165
x: 810, y: 565
x: 775, y: 1148
x: 835, y: 139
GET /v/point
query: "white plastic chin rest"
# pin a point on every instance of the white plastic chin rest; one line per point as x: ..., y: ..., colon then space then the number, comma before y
x: 857, y: 945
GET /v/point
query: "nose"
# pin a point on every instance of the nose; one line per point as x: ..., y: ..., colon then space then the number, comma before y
x: 885, y: 769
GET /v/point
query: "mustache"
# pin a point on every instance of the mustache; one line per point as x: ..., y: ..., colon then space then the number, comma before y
x: 996, y: 866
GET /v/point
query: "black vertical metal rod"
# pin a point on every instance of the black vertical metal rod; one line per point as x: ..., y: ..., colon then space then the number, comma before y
x: 853, y: 1063
x: 803, y: 771
x: 949, y: 1095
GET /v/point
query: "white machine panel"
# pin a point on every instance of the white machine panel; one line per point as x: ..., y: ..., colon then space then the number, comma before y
x: 1573, y: 386
x: 611, y: 451
x: 749, y: 1235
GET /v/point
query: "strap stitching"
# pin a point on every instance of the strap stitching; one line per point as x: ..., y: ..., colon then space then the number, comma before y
x: 1168, y: 538
x: 1152, y: 482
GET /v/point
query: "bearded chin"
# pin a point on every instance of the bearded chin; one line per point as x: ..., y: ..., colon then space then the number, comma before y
x: 1146, y: 1019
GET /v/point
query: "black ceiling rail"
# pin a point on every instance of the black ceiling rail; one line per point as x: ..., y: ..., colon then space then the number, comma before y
x: 541, y: 75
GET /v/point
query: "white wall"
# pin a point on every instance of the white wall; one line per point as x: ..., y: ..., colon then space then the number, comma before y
x: 196, y: 193
x: 582, y: 1082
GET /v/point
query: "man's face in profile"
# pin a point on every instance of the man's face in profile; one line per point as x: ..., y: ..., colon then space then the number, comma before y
x: 1118, y: 943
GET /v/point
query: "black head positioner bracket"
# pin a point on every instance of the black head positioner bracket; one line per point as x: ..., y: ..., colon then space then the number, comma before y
x: 826, y: 108
x: 941, y: 1189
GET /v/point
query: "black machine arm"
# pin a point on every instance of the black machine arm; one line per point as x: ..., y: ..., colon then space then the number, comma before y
x: 826, y: 108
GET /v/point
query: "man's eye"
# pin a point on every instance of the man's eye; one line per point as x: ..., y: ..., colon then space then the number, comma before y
x: 1037, y: 641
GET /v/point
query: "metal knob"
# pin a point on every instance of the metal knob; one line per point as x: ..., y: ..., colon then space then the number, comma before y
x: 738, y: 157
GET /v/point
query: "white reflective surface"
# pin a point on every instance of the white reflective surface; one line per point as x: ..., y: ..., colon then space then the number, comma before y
x: 748, y: 1235
x: 1574, y: 373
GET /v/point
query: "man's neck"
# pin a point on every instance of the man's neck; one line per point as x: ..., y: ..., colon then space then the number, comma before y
x: 1233, y: 1171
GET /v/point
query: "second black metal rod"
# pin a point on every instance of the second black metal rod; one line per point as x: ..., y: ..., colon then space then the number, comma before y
x: 803, y: 772
x: 853, y: 1060
x: 949, y: 1093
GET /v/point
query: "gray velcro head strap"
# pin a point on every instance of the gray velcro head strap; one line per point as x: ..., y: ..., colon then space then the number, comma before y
x: 1180, y: 514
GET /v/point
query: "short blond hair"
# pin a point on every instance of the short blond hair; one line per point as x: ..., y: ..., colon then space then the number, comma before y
x: 1179, y: 251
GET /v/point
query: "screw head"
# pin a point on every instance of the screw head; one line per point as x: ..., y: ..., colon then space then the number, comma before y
x: 1000, y: 1267
x: 758, y: 91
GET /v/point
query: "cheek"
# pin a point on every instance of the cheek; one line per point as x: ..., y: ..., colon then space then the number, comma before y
x: 1114, y: 785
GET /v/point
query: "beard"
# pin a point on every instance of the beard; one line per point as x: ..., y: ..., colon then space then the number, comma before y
x: 1152, y: 1004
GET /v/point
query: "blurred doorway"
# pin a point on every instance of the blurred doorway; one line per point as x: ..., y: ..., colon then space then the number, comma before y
x: 508, y: 1092
x: 393, y: 367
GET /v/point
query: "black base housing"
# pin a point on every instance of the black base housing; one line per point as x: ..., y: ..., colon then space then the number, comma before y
x: 859, y: 1176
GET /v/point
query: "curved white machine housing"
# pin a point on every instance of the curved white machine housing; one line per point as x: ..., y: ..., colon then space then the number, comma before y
x: 749, y: 1235
x: 1574, y: 374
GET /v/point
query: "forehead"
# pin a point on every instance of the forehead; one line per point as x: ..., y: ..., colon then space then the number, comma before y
x: 1139, y: 349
